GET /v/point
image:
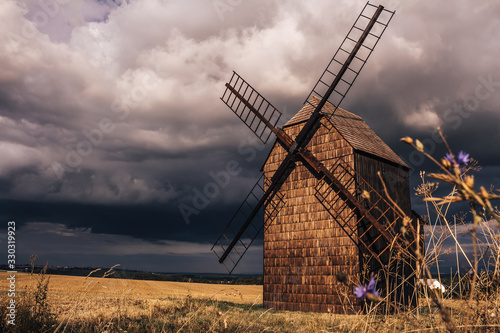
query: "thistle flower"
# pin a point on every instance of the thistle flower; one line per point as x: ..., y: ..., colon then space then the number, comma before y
x: 365, y: 291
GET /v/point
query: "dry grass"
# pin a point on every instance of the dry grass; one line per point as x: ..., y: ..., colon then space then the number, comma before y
x: 113, y: 305
x: 84, y: 298
x: 101, y: 304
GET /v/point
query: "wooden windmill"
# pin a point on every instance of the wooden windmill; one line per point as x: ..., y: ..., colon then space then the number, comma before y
x: 319, y: 199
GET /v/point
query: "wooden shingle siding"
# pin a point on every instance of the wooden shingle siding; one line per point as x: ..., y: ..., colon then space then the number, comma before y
x: 304, y: 248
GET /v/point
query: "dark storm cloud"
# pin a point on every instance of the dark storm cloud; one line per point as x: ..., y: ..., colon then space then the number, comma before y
x: 110, y: 110
x: 105, y: 250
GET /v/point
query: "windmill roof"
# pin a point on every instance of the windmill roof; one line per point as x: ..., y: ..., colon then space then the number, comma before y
x: 352, y: 127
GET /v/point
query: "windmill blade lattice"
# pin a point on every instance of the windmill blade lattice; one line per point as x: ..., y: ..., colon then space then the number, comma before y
x: 354, y: 51
x: 237, y: 90
x: 244, y: 228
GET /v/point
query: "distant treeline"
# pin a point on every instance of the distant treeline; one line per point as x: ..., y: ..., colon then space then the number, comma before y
x: 140, y: 275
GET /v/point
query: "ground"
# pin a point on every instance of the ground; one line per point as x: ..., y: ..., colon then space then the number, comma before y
x: 104, y: 304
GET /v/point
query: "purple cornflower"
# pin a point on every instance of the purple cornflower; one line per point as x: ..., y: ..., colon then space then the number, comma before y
x: 462, y: 160
x: 449, y: 157
x: 362, y: 291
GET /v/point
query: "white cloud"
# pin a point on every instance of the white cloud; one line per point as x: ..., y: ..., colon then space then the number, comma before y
x: 414, y: 49
x: 166, y: 84
x: 16, y: 156
x: 422, y: 118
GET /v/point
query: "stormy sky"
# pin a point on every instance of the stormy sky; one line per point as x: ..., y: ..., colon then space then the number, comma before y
x: 110, y: 117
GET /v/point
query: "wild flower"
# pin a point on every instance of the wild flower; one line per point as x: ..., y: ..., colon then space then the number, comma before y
x: 367, y: 291
x: 452, y: 173
x: 462, y: 160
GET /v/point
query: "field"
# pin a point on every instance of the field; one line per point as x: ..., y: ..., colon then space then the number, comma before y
x: 97, y: 304
x: 102, y: 304
x: 62, y: 285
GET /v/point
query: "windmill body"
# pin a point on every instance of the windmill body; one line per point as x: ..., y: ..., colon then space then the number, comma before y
x: 305, y: 249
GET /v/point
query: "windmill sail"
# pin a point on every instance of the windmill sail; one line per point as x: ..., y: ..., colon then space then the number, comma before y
x: 247, y: 223
x: 260, y: 116
x: 253, y: 109
x: 351, y: 56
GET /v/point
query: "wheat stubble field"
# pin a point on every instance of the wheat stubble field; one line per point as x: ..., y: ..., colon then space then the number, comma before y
x: 63, y: 286
x: 97, y: 304
x: 91, y: 297
x: 58, y: 303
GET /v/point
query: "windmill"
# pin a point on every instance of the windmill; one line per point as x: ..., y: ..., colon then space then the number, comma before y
x: 320, y: 216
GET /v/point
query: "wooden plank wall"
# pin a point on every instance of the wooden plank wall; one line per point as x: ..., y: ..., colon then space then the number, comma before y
x: 396, y: 179
x: 304, y: 249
